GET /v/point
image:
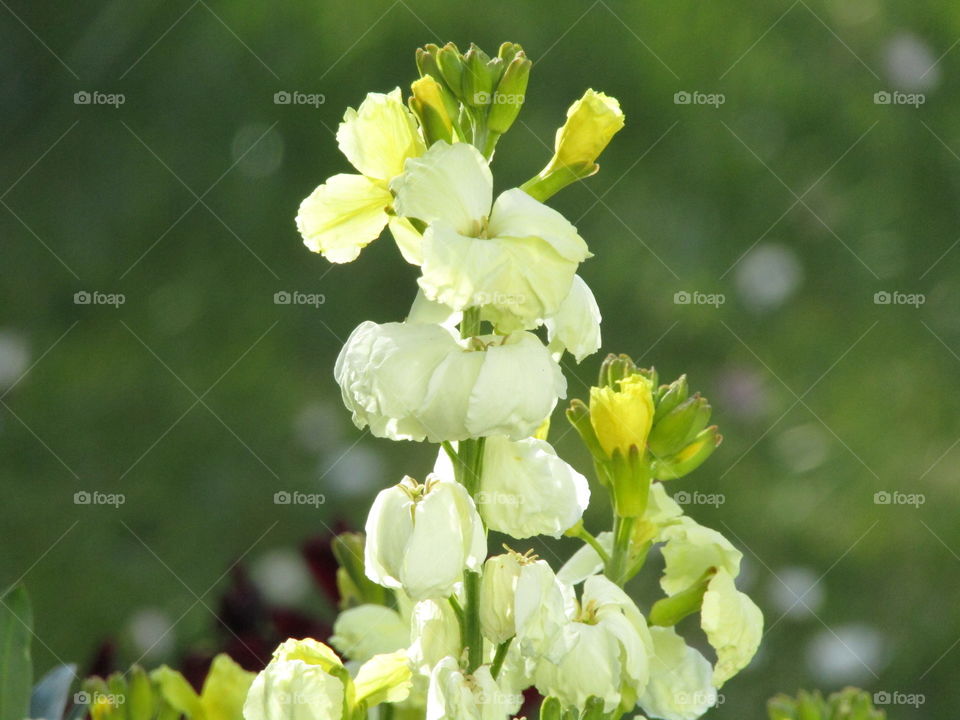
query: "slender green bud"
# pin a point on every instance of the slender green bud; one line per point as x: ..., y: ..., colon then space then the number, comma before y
x: 428, y: 105
x: 593, y: 709
x: 690, y: 458
x: 614, y: 368
x: 508, y: 51
x: 669, y: 396
x: 668, y: 611
x: 579, y: 416
x: 141, y: 703
x: 480, y: 77
x: 450, y: 63
x: 509, y: 95
x: 550, y: 709
x: 680, y: 426
x: 426, y: 58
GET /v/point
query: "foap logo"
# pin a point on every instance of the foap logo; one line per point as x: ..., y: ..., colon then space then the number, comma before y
x: 698, y: 498
x: 88, y: 699
x: 95, y: 297
x: 498, y: 298
x: 884, y: 697
x: 896, y: 497
x: 95, y: 497
x: 682, y: 297
x: 699, y: 698
x: 498, y: 498
x: 498, y: 98
x: 895, y: 97
x: 283, y: 497
x: 895, y: 297
x: 696, y: 97
x: 295, y: 97
x: 299, y: 298
x: 95, y: 97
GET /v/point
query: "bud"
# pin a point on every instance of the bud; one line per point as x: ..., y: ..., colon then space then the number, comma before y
x: 672, y: 432
x: 622, y: 417
x: 509, y: 95
x: 426, y: 58
x: 690, y: 458
x: 480, y: 76
x: 579, y: 416
x: 422, y: 537
x: 354, y: 586
x: 669, y: 396
x: 497, y: 589
x: 450, y: 63
x: 615, y: 368
x: 428, y: 105
x: 141, y: 702
x: 670, y: 610
x: 551, y: 709
x: 592, y: 121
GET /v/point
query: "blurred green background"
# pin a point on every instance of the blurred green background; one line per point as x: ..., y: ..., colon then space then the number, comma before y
x: 798, y: 198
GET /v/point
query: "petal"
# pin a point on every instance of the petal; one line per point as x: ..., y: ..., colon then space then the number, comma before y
x: 408, y: 239
x: 517, y: 387
x: 366, y: 630
x: 733, y: 624
x: 343, y: 216
x: 388, y: 528
x: 516, y: 280
x: 379, y: 136
x: 575, y: 326
x: 679, y: 686
x: 527, y: 490
x: 517, y: 215
x: 690, y: 551
x: 585, y: 562
x: 451, y: 183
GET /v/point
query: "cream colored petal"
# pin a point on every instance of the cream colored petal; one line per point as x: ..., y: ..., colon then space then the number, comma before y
x: 517, y: 215
x: 575, y: 327
x: 451, y: 183
x: 679, y: 686
x: 523, y: 279
x: 408, y: 240
x: 690, y: 551
x: 733, y: 624
x: 379, y: 136
x: 343, y: 216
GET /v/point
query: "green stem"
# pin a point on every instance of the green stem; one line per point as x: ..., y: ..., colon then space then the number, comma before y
x: 590, y: 540
x: 473, y: 640
x: 501, y: 655
x: 616, y: 569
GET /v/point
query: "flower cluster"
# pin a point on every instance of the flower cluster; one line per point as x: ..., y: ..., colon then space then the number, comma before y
x: 430, y: 624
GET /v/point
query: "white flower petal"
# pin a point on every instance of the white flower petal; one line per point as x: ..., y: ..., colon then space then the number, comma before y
x: 690, y: 551
x: 407, y: 238
x: 733, y: 624
x: 343, y: 216
x: 575, y: 327
x: 527, y: 490
x: 450, y: 183
x: 363, y: 631
x: 517, y: 215
x: 679, y: 687
x: 379, y: 136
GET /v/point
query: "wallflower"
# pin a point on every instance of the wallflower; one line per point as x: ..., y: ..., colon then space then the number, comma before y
x: 363, y: 631
x: 575, y: 327
x: 411, y: 381
x: 733, y: 624
x: 679, y: 687
x: 454, y: 695
x: 305, y: 680
x: 434, y: 634
x: 347, y: 212
x: 422, y: 537
x: 622, y: 416
x: 525, y: 488
x: 517, y: 258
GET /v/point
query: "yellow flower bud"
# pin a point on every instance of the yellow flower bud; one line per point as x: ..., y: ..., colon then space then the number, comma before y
x: 622, y: 417
x: 592, y: 121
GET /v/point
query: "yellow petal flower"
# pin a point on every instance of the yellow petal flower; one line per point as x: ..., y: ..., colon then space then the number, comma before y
x: 379, y: 136
x: 592, y: 121
x: 343, y: 216
x: 622, y: 417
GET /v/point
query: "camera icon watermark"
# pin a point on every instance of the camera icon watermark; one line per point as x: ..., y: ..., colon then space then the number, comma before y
x: 95, y: 497
x: 295, y: 97
x: 88, y: 699
x: 498, y: 298
x: 498, y: 98
x: 485, y: 497
x: 896, y: 497
x: 695, y: 97
x: 284, y: 497
x: 895, y: 297
x: 95, y: 297
x: 283, y: 297
x: 682, y: 297
x: 698, y: 498
x: 895, y: 97
x: 95, y: 97
x: 884, y: 697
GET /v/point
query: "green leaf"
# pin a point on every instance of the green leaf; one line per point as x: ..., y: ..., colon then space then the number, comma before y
x: 16, y: 671
x: 49, y: 697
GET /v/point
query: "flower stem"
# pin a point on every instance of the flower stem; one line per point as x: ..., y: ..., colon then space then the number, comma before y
x: 616, y: 568
x: 473, y: 640
x: 498, y: 659
x: 590, y: 540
